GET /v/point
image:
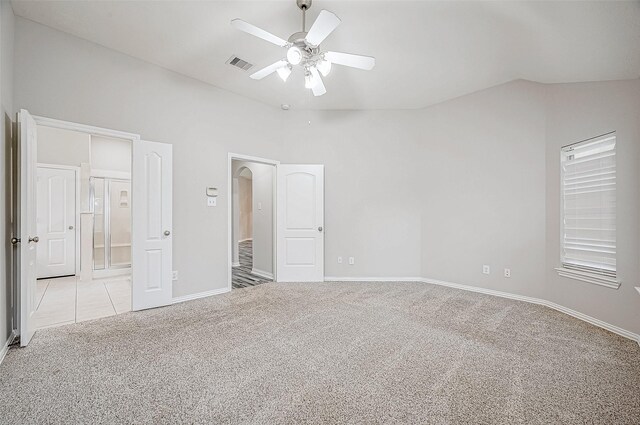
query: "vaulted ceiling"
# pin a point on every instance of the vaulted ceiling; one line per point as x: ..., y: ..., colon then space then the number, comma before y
x: 426, y: 51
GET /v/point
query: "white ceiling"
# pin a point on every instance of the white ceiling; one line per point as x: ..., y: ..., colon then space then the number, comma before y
x: 426, y: 52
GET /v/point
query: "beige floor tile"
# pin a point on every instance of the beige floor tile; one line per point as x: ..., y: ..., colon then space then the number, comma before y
x: 93, y: 302
x: 41, y: 287
x: 120, y: 293
x: 69, y: 300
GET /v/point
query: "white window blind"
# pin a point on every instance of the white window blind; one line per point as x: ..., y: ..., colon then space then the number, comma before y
x: 589, y: 206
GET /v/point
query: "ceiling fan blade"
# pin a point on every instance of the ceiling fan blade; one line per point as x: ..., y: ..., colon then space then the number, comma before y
x: 259, y: 75
x: 347, y: 59
x: 324, y: 25
x: 319, y: 89
x: 258, y: 32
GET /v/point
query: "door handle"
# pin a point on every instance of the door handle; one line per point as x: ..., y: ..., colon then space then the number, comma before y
x: 34, y: 239
x: 320, y: 229
x: 167, y: 233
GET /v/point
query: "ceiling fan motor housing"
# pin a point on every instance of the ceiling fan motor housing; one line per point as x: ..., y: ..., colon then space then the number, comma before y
x: 304, y: 4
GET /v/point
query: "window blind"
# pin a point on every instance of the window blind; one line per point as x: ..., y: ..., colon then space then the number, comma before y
x: 589, y: 205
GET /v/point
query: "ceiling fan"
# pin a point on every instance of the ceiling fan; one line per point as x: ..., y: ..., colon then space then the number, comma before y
x: 303, y: 49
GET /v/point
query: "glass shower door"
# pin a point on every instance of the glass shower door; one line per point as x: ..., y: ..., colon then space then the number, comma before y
x: 112, y: 223
x: 120, y: 223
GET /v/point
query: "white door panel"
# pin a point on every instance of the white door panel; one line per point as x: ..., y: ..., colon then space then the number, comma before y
x: 152, y: 224
x: 27, y: 190
x: 300, y: 239
x: 56, y: 222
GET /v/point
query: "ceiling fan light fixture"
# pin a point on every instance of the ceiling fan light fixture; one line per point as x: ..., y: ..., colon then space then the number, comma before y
x: 324, y: 66
x: 294, y: 55
x: 284, y: 72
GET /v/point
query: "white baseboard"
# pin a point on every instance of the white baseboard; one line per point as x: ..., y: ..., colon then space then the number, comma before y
x: 262, y: 273
x: 204, y: 294
x: 5, y: 347
x: 372, y: 279
x: 597, y: 322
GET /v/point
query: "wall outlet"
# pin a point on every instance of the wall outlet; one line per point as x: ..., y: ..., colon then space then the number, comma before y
x: 507, y: 272
x: 339, y: 260
x: 174, y: 275
x: 352, y: 261
x: 211, y: 201
x: 486, y: 269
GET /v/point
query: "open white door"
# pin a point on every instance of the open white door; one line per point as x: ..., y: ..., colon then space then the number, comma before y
x: 151, y: 225
x: 27, y: 189
x: 300, y: 236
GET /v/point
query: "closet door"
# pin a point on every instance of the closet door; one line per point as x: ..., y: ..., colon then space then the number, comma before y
x: 152, y: 224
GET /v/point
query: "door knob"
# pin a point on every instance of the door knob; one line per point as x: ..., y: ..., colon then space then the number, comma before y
x: 70, y: 227
x: 320, y: 229
x: 14, y: 241
x: 167, y: 233
x: 34, y: 239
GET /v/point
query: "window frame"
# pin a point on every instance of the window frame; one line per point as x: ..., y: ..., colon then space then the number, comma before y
x: 585, y: 273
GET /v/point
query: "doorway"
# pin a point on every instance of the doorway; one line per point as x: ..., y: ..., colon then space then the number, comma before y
x: 253, y: 223
x: 83, y: 189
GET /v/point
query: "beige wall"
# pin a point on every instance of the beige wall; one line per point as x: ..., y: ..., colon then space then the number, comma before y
x: 245, y: 209
x: 577, y: 112
x: 110, y: 154
x: 63, y: 147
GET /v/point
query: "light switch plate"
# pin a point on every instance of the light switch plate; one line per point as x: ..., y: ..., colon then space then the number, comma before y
x: 339, y: 260
x: 352, y: 261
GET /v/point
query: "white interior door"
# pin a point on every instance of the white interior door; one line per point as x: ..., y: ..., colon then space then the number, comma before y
x: 27, y: 141
x: 300, y: 233
x: 56, y: 190
x: 151, y: 211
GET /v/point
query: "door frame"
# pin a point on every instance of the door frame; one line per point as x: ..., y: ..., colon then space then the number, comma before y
x: 248, y: 158
x: 76, y: 170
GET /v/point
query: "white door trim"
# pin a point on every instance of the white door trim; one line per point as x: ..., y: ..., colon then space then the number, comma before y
x: 248, y: 158
x: 82, y: 128
x: 77, y: 211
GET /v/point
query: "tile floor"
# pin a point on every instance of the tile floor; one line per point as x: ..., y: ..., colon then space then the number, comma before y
x: 66, y: 300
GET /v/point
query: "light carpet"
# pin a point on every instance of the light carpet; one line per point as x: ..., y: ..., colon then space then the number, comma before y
x: 327, y: 353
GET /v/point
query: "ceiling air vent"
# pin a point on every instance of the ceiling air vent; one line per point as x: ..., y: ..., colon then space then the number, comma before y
x: 239, y: 63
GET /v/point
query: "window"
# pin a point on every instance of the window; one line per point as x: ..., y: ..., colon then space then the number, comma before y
x: 588, y: 250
